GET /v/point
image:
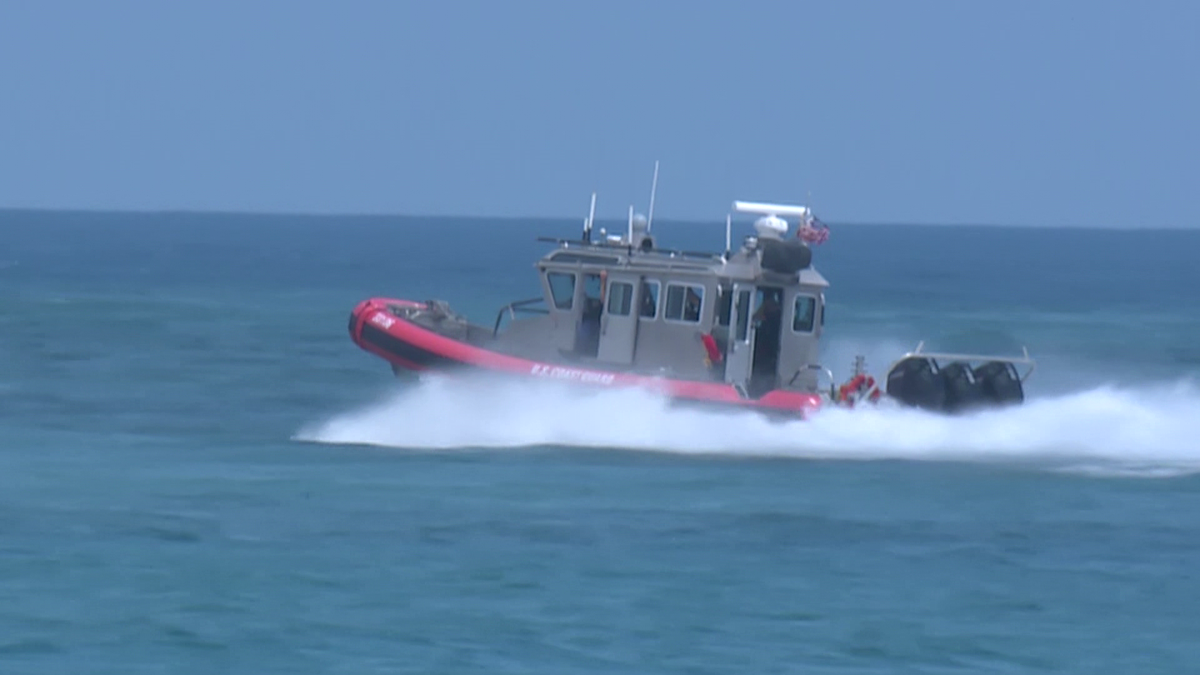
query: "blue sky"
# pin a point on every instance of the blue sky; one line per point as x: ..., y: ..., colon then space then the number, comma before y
x: 1056, y: 112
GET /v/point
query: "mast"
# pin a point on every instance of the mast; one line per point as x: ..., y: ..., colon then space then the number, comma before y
x: 653, y: 189
x: 587, y: 224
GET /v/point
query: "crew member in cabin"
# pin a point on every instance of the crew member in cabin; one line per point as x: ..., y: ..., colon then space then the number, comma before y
x: 767, y: 322
x: 768, y: 315
x: 691, y: 307
x: 722, y: 311
x: 593, y: 306
x: 649, y: 301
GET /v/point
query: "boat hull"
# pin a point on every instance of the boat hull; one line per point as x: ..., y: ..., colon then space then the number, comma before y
x: 407, y: 346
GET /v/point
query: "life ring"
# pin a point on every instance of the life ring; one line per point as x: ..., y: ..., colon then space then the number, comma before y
x: 858, y: 383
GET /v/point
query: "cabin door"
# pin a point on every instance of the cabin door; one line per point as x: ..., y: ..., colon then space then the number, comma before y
x: 618, y: 325
x: 740, y: 353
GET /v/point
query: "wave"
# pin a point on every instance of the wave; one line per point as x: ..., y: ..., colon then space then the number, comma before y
x: 1151, y: 430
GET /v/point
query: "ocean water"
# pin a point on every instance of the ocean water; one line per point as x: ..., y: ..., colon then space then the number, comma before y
x: 200, y: 473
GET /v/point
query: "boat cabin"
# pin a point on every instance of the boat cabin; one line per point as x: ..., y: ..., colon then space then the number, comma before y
x: 751, y: 317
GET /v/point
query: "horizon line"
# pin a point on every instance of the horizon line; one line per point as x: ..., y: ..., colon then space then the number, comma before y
x: 451, y: 216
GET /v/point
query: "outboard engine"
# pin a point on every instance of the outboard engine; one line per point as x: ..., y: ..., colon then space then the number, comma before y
x: 963, y: 391
x: 1000, y: 382
x: 916, y: 382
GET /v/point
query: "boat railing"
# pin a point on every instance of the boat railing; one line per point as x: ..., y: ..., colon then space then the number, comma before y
x: 813, y: 367
x: 512, y: 308
x: 630, y: 250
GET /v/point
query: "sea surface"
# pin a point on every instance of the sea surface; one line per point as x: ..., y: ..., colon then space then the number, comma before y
x: 200, y: 473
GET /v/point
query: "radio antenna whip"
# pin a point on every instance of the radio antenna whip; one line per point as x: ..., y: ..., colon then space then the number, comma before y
x: 653, y: 189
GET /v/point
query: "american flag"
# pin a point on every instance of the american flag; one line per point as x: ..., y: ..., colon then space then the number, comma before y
x: 813, y: 231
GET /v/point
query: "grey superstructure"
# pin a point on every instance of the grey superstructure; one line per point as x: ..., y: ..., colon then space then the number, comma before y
x: 623, y: 303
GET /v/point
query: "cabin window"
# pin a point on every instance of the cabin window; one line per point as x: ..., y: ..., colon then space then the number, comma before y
x: 743, y: 315
x: 724, y: 305
x: 684, y: 302
x: 804, y: 312
x: 620, y: 298
x: 562, y: 288
x: 649, y: 302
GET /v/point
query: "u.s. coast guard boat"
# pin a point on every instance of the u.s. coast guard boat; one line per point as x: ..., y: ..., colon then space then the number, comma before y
x: 738, y: 328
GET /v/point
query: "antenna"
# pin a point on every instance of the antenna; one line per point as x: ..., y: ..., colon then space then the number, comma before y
x: 587, y: 224
x: 631, y: 224
x: 768, y: 209
x: 653, y: 189
x: 772, y: 225
x: 728, y: 227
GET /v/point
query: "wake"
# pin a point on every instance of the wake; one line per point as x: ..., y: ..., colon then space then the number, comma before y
x: 1152, y: 430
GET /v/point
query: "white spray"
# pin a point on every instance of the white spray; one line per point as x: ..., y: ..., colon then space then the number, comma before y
x: 1154, y: 429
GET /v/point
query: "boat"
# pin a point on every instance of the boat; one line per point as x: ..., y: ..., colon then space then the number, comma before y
x: 738, y: 328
